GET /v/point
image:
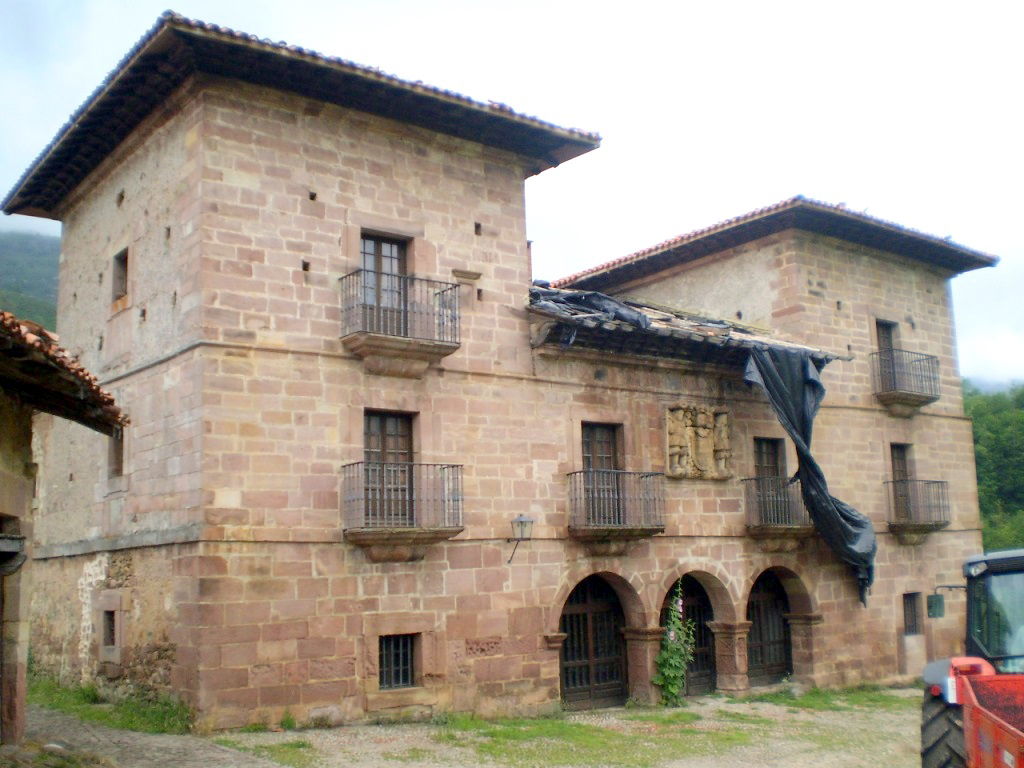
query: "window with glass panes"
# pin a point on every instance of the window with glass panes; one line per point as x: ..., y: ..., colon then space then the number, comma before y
x: 384, y: 284
x: 769, y: 457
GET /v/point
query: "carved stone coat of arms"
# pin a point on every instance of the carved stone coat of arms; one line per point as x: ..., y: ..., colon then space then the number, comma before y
x: 698, y: 443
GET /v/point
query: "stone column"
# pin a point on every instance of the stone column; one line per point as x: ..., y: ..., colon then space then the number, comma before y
x: 801, y: 635
x: 731, y: 655
x: 642, y: 646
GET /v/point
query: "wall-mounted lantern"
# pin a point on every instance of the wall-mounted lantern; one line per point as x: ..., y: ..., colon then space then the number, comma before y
x: 522, y: 530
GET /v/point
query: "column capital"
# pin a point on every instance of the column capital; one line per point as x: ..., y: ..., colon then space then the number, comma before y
x: 808, y: 619
x: 553, y: 641
x: 729, y: 628
x: 644, y: 634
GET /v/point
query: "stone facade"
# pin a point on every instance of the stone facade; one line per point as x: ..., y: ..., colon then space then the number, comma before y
x: 218, y: 550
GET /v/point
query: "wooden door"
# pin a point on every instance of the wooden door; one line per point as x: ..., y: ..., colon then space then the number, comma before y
x: 385, y: 293
x: 899, y: 454
x: 388, y: 455
x: 594, y: 651
x: 601, y: 484
x: 885, y: 334
x: 769, y: 654
x: 700, y: 674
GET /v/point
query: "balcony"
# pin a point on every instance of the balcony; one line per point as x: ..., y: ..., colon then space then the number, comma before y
x: 394, y: 511
x: 610, y: 508
x: 917, y: 508
x: 904, y: 381
x: 776, y: 516
x: 397, y: 324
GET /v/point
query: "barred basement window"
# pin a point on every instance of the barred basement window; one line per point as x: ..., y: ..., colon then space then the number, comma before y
x: 396, y: 661
x: 109, y: 629
x: 912, y: 613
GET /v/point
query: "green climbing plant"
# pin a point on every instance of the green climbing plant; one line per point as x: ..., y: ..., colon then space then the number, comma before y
x: 677, y: 647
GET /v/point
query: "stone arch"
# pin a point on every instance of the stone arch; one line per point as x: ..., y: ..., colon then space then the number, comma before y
x: 633, y: 609
x: 801, y: 599
x: 597, y: 663
x: 710, y: 575
x: 781, y: 632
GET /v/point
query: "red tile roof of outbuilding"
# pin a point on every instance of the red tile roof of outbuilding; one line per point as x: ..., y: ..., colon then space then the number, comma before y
x: 37, y: 371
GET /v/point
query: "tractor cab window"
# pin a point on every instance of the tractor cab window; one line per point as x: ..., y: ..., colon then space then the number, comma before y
x: 997, y: 619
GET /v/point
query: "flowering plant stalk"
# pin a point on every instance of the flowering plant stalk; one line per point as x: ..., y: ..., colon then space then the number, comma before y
x: 677, y: 648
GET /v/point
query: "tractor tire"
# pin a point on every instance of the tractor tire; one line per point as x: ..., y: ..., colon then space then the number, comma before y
x: 942, y: 734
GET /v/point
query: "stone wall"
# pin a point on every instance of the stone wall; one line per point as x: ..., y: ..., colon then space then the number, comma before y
x: 241, y: 208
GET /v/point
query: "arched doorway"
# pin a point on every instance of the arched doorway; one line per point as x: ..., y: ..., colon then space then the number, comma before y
x: 594, y: 651
x: 700, y: 675
x: 769, y: 651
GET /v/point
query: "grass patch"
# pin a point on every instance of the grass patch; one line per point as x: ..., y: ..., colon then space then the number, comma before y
x: 821, y: 699
x: 666, y: 718
x: 561, y: 742
x: 743, y: 717
x: 31, y: 755
x: 295, y: 754
x: 413, y: 754
x: 162, y: 715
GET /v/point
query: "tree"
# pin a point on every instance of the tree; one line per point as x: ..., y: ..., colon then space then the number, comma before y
x: 999, y: 456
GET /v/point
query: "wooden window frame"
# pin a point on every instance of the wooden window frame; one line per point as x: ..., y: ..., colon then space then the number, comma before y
x: 778, y: 455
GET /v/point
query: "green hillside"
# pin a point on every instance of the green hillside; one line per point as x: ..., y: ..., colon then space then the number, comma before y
x: 28, y: 275
x: 29, y: 308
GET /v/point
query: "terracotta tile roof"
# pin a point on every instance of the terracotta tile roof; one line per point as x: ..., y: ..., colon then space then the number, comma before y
x: 177, y: 46
x: 37, y: 371
x: 797, y: 212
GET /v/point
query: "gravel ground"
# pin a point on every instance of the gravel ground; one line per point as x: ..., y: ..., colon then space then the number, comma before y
x: 780, y: 737
x: 732, y: 732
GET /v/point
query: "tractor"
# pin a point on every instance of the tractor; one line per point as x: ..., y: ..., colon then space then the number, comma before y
x: 973, y: 711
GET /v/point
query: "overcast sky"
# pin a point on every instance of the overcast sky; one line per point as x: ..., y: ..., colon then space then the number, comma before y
x: 909, y: 111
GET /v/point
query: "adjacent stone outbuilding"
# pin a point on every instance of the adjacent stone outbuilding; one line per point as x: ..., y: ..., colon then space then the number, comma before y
x: 36, y: 376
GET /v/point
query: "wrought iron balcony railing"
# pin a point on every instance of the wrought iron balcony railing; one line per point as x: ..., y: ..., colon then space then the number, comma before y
x: 903, y: 375
x: 918, y: 502
x: 378, y: 495
x: 774, y: 502
x: 614, y: 499
x: 400, y: 306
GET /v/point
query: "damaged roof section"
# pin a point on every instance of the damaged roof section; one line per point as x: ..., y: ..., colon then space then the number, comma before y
x: 177, y: 47
x: 36, y: 371
x: 596, y: 321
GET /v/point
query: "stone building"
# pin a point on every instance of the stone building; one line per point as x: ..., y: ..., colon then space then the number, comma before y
x: 36, y: 376
x: 308, y: 284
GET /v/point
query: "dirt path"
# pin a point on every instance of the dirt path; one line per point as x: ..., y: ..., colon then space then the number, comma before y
x: 128, y: 749
x: 711, y: 732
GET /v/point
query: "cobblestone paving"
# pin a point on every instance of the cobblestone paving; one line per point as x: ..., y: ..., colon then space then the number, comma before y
x: 128, y: 749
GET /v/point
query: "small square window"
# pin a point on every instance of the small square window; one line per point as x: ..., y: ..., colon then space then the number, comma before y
x: 120, y: 276
x: 912, y: 613
x: 109, y: 629
x: 396, y: 661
